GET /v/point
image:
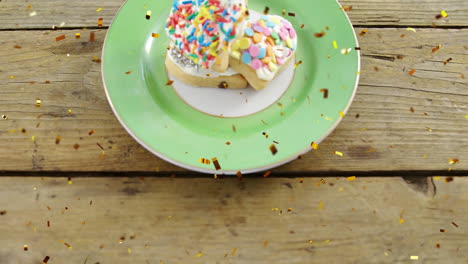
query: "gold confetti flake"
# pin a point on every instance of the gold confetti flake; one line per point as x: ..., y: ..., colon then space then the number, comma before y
x: 466, y: 117
x: 129, y: 250
x: 216, y: 163
x: 100, y: 20
x: 32, y: 13
x: 99, y: 9
x: 59, y: 38
x: 314, y: 145
x: 33, y: 138
x: 351, y: 178
x: 68, y: 245
x: 443, y: 13
x: 155, y: 35
x: 38, y: 102
x: 25, y: 248
x: 204, y: 161
x: 401, y: 221
x: 339, y: 153
x: 342, y: 114
x: 199, y: 254
x: 297, y: 64
x: 77, y: 35
x: 414, y: 257
x: 454, y: 161
x: 273, y: 149
x: 320, y: 205
x: 335, y: 44
x: 11, y: 77
x: 436, y: 48
x: 233, y: 251
x: 57, y: 140
x: 265, y: 243
x: 411, y: 29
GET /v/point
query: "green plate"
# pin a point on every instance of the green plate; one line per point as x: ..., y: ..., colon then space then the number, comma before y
x: 154, y: 114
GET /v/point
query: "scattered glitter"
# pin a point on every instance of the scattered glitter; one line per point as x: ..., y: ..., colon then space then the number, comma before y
x: 351, y: 178
x: 99, y: 9
x: 339, y: 153
x: 414, y: 257
x: 443, y: 13
x: 199, y: 254
x: 38, y: 102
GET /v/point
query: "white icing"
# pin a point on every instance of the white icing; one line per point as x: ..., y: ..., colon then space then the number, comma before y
x: 201, y: 72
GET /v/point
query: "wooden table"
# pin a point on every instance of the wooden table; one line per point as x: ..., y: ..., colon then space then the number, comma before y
x: 80, y: 197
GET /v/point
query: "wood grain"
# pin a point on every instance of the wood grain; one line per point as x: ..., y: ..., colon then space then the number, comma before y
x: 164, y: 220
x: 15, y: 14
x: 379, y: 133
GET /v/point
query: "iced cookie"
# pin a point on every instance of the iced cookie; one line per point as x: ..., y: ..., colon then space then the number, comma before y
x: 266, y: 48
x: 186, y: 71
x: 202, y: 31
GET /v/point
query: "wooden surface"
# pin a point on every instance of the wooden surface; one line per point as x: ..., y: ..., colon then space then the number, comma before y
x: 163, y: 220
x: 398, y: 125
x: 76, y: 14
x: 386, y: 136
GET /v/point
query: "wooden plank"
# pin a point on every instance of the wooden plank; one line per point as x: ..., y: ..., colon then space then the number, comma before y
x: 164, y: 220
x: 386, y: 136
x: 15, y: 14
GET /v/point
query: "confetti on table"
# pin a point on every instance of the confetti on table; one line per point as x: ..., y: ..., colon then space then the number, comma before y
x: 77, y: 35
x: 291, y: 14
x: 57, y: 140
x: 170, y: 82
x: 265, y: 243
x: 454, y: 224
x: 347, y: 8
x: 199, y: 254
x: 204, y: 161
x: 447, y: 61
x: 99, y: 9
x: 45, y: 260
x: 38, y: 102
x: 128, y: 72
x: 32, y: 13
x: 351, y: 178
x: 216, y: 163
x: 68, y: 245
x: 233, y: 251
x: 25, y: 248
x: 454, y: 161
x: 339, y: 153
x: 76, y: 146
x: 335, y: 45
x: 412, y: 71
x: 411, y: 29
x: 100, y: 20
x: 148, y: 14
x: 363, y: 32
x: 266, y: 174
x: 320, y: 205
x: 436, y: 48
x: 59, y: 38
x: 129, y: 250
x: 155, y: 35
x: 401, y: 221
x: 91, y: 36
x: 443, y: 13
x: 5, y: 117
x: 414, y: 257
x: 17, y: 47
x: 325, y: 93
x: 342, y: 114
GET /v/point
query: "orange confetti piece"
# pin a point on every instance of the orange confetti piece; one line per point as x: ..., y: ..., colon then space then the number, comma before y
x: 314, y: 145
x: 297, y: 64
x: 155, y: 35
x: 265, y: 243
x: 436, y: 48
x: 77, y: 35
x: 454, y: 161
x: 233, y: 251
x: 59, y: 38
x: 170, y: 82
x: 351, y: 178
x: 99, y: 23
x: 412, y: 71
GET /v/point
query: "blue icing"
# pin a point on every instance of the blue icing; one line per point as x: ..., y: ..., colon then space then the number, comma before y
x: 270, y: 24
x: 262, y: 53
x: 249, y: 32
x: 246, y: 58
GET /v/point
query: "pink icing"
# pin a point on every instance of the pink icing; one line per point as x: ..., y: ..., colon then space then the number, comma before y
x: 256, y: 64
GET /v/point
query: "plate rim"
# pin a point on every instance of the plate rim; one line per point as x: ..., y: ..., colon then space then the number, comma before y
x: 229, y: 172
